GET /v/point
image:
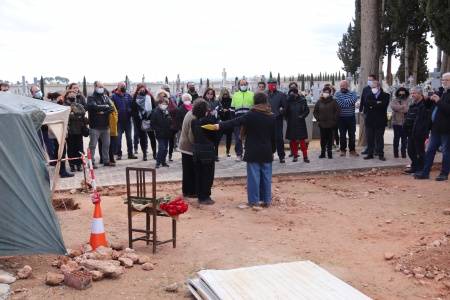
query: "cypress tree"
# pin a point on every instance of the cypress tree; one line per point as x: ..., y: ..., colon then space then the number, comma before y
x: 270, y: 76
x: 84, y: 86
x: 42, y: 85
x: 303, y: 82
x: 207, y: 82
x: 278, y: 79
x: 166, y: 81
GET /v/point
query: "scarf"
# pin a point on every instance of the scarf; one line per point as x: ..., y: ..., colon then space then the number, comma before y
x: 263, y: 108
x: 188, y: 107
x: 144, y: 103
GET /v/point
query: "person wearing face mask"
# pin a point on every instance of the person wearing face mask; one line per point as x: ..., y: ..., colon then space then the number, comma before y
x: 75, y: 137
x: 327, y: 112
x: 400, y: 105
x: 142, y: 106
x: 367, y: 90
x: 4, y: 87
x: 240, y: 105
x: 225, y: 115
x: 172, y: 109
x: 296, y: 132
x: 191, y: 90
x: 376, y: 105
x: 277, y: 101
x: 122, y: 101
x: 46, y: 142
x: 347, y: 121
x: 215, y: 110
x: 80, y: 97
x: 161, y: 123
x: 440, y: 133
x: 99, y: 108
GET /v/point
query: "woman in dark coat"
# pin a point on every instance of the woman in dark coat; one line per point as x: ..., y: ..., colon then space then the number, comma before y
x: 203, y: 152
x: 225, y: 100
x: 296, y: 112
x: 326, y: 112
x: 142, y: 106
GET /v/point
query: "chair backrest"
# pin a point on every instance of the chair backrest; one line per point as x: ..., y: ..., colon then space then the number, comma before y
x: 145, y: 188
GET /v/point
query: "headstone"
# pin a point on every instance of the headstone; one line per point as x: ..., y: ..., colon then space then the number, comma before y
x: 224, y: 78
x: 316, y: 94
x: 435, y: 79
x: 24, y: 86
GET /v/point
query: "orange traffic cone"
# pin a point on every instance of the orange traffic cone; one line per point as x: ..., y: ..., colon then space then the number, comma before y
x: 98, y: 237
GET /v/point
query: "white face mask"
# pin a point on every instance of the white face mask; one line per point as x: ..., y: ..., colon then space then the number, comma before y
x: 187, y: 102
x: 164, y: 106
x: 374, y: 90
x: 326, y: 95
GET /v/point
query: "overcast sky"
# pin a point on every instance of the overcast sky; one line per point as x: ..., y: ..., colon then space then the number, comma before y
x: 108, y: 39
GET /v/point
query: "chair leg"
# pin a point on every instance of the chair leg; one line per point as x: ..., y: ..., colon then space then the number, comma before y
x: 130, y: 233
x: 154, y: 233
x: 147, y: 226
x: 174, y: 233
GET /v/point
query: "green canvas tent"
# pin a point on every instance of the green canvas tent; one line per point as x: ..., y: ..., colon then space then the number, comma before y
x: 28, y: 222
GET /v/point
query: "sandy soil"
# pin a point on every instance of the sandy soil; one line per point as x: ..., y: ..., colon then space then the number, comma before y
x: 345, y: 222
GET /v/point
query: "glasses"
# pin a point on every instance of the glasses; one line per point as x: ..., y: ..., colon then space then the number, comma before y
x: 209, y: 93
x: 226, y: 94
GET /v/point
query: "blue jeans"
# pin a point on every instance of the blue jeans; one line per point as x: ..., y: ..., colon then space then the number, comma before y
x: 435, y: 141
x: 238, y: 144
x: 163, y: 147
x: 280, y: 139
x: 259, y: 177
x: 347, y: 125
x: 397, y: 137
x: 121, y: 128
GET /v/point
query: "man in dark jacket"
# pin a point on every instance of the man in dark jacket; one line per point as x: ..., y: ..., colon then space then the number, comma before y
x: 440, y: 133
x: 376, y: 105
x: 277, y: 101
x: 415, y: 127
x: 99, y: 109
x: 367, y: 90
x: 122, y: 101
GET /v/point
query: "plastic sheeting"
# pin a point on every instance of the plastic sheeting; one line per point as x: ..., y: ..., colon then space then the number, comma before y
x: 28, y: 222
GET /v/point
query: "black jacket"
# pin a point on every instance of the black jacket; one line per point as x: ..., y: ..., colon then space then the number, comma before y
x: 296, y: 111
x: 376, y: 113
x: 441, y: 123
x: 421, y: 123
x: 99, y: 103
x: 261, y: 135
x: 181, y: 113
x: 276, y: 100
x: 161, y: 122
x: 226, y: 104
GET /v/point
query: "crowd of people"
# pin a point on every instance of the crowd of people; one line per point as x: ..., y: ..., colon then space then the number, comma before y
x: 177, y: 122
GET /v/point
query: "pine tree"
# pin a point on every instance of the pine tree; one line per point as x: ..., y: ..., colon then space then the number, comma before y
x: 84, y: 86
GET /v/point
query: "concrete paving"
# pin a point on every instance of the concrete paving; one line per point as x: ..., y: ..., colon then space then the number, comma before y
x: 228, y: 168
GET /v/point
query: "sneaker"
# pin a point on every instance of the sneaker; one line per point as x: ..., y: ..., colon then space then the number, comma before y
x: 354, y: 153
x: 343, y: 153
x: 228, y: 154
x: 238, y: 158
x: 170, y: 158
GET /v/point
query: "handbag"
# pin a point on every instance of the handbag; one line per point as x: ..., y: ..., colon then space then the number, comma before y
x: 146, y: 125
x: 84, y: 130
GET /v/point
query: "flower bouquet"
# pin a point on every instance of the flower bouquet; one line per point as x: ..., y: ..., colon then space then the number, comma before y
x: 174, y: 207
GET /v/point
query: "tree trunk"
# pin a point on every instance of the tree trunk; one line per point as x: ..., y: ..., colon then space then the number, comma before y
x: 406, y: 58
x: 380, y: 68
x: 389, y: 67
x: 439, y: 58
x: 444, y: 63
x: 415, y: 64
x: 370, y: 42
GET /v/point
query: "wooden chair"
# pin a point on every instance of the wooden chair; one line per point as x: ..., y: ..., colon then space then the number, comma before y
x: 145, y: 190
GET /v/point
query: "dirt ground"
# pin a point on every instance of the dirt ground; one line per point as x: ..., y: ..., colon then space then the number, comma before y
x: 347, y: 223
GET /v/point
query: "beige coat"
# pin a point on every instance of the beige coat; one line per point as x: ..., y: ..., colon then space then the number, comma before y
x: 185, y: 144
x: 399, y: 109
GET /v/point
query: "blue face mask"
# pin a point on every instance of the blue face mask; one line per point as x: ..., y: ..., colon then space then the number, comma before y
x: 369, y: 82
x: 243, y: 88
x: 39, y: 94
x: 100, y: 90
